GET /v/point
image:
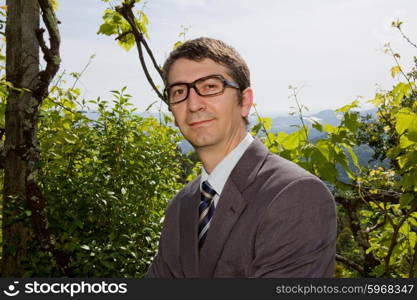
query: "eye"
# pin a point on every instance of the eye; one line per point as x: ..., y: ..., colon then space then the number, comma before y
x: 177, y: 91
x: 210, y: 86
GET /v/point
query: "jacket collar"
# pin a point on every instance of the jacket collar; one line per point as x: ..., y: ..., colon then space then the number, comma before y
x: 248, y: 166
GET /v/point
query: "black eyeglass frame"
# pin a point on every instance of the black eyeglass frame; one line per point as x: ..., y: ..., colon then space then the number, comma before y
x: 190, y: 85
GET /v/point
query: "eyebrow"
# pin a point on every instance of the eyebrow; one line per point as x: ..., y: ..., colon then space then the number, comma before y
x: 179, y: 82
x: 176, y: 82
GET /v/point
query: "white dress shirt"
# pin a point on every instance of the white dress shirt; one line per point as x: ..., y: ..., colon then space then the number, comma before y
x: 218, y: 177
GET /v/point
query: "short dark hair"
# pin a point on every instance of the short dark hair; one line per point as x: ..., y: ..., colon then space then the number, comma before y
x: 216, y: 50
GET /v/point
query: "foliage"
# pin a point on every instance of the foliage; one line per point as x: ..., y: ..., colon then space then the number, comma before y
x: 320, y: 158
x: 115, y: 24
x: 107, y: 182
x: 377, y: 205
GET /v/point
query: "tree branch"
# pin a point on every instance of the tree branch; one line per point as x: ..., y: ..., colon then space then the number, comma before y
x: 381, y: 196
x: 413, y: 262
x: 126, y: 11
x: 350, y: 264
x: 150, y: 53
x: 394, y: 240
x: 121, y: 36
x: 360, y: 235
x: 378, y: 225
x: 406, y: 37
x: 51, y: 54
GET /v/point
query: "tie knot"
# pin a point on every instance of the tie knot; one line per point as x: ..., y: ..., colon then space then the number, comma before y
x: 207, y: 191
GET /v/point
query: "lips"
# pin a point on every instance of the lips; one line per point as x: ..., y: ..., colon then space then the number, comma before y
x: 200, y: 122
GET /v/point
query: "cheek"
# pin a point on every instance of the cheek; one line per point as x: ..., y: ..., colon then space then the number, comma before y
x: 179, y: 118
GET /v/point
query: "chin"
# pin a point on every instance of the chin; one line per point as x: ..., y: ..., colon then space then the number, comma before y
x: 202, y: 141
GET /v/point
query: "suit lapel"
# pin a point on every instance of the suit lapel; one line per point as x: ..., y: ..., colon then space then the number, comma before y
x: 188, y: 230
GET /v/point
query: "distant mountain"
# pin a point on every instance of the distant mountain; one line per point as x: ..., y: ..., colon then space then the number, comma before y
x: 286, y: 124
x: 289, y: 124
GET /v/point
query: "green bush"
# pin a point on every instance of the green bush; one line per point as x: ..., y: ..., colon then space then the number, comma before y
x: 107, y: 183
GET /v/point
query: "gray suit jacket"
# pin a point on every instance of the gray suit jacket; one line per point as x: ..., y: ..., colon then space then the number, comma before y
x: 273, y: 219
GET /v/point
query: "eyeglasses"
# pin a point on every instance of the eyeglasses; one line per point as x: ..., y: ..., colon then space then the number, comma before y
x: 207, y: 86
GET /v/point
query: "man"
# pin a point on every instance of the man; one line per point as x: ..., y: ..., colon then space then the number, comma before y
x: 250, y: 213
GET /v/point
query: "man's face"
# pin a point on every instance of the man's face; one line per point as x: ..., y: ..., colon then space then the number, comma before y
x: 209, y: 121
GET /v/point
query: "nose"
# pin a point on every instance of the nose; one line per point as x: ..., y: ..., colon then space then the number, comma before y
x: 194, y: 101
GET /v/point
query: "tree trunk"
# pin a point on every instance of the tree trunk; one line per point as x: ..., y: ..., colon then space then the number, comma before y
x: 22, y: 195
x: 22, y: 69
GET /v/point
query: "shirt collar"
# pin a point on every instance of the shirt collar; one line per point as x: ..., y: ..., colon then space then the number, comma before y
x: 217, y: 179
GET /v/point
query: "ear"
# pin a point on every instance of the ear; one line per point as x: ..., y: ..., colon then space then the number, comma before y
x: 247, y: 101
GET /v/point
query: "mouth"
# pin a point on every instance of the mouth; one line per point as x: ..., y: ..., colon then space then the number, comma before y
x: 200, y: 122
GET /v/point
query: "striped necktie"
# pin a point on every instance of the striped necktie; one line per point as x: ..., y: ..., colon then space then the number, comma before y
x: 206, y: 210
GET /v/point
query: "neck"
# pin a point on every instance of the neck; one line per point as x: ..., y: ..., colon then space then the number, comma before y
x: 212, y: 155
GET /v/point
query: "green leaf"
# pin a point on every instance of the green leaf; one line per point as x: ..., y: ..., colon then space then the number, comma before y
x: 348, y: 107
x: 108, y: 265
x: 80, y: 225
x: 329, y: 128
x: 267, y: 122
x: 107, y: 29
x: 395, y: 70
x: 54, y: 4
x: 291, y: 141
x: 318, y: 126
x: 350, y: 120
x: 406, y: 142
x: 407, y: 160
x: 177, y: 44
x: 353, y: 156
x: 378, y: 100
x: 317, y: 156
x: 324, y: 147
x: 256, y: 128
x: 406, y: 120
x: 400, y: 91
x: 409, y: 181
x: 126, y: 45
x: 412, y: 237
x: 69, y: 141
x: 144, y: 17
x: 397, y: 24
x: 328, y: 172
x: 406, y: 199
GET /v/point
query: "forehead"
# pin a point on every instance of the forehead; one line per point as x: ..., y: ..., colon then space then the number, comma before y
x: 186, y: 70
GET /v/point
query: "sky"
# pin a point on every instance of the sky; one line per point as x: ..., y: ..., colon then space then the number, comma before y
x: 333, y: 49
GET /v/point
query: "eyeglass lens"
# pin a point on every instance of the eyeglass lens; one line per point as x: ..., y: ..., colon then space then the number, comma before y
x: 204, y: 87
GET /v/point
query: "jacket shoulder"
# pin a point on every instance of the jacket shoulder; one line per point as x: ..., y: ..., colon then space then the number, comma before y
x: 276, y: 165
x: 188, y: 189
x: 277, y: 173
